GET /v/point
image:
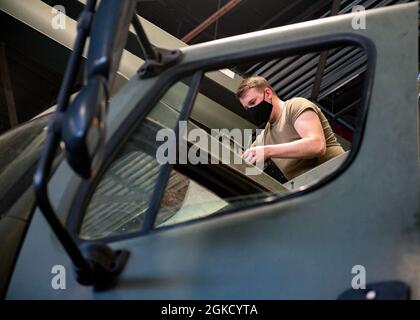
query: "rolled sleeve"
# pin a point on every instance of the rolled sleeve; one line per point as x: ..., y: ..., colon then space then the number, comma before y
x: 298, y: 106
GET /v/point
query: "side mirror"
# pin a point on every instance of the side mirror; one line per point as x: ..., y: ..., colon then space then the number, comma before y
x: 83, y: 128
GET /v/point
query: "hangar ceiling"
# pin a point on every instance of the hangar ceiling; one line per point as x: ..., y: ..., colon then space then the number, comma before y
x: 179, y: 18
x: 342, y: 71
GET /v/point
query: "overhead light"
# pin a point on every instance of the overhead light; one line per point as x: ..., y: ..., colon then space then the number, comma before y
x: 228, y: 72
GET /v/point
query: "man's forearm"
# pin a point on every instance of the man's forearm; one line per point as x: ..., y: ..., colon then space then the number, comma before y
x: 305, y: 148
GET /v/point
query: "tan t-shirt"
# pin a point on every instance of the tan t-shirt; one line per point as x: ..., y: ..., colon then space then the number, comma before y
x: 283, y: 131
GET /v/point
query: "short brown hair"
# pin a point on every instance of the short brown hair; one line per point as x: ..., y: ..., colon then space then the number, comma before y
x: 257, y: 82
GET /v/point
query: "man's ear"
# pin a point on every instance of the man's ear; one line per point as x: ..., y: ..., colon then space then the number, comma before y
x: 269, y: 93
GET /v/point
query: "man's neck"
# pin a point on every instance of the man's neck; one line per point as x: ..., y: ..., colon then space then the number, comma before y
x: 277, y: 109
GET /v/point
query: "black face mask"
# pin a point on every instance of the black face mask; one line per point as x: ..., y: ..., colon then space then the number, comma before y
x: 261, y: 112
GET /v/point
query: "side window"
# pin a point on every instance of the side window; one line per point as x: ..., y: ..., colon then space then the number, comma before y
x: 123, y: 195
x: 184, y: 199
x: 207, y: 148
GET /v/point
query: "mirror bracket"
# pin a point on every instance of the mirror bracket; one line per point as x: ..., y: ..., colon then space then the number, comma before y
x: 164, y: 59
x: 105, y: 264
x: 156, y: 59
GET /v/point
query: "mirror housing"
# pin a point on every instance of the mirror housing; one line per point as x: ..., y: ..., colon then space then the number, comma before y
x: 83, y: 128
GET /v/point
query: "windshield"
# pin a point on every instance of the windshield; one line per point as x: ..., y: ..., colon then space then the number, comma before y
x: 20, y: 149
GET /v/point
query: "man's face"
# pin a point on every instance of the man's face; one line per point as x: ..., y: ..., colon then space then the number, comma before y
x: 252, y: 97
x: 258, y: 104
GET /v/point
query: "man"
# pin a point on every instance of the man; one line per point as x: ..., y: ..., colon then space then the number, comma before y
x: 297, y: 136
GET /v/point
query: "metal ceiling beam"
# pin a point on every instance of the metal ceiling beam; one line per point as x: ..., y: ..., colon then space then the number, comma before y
x: 323, y: 58
x: 8, y: 89
x: 210, y: 20
x: 282, y: 11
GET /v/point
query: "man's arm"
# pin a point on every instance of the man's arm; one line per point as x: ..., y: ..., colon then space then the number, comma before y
x: 259, y: 140
x: 311, y: 145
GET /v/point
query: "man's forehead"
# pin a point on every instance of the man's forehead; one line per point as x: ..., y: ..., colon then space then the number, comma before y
x: 250, y: 94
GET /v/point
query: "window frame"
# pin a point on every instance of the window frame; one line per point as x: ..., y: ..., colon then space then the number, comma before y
x: 182, y: 70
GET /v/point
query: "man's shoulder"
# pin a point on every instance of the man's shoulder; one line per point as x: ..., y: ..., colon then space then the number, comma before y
x: 296, y: 105
x: 299, y: 101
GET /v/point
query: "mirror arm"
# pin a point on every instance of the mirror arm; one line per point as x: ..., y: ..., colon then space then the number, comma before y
x: 156, y: 59
x: 95, y: 263
x: 148, y: 49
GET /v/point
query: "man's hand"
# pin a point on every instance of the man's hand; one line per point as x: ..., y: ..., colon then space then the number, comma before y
x: 311, y: 145
x: 255, y: 155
